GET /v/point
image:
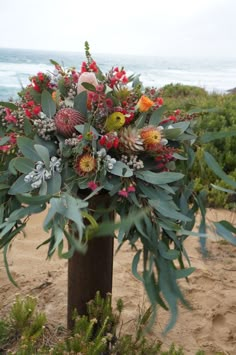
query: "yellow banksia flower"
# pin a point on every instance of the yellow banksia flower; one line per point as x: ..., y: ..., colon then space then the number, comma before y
x: 85, y: 164
x: 114, y: 122
x: 144, y: 103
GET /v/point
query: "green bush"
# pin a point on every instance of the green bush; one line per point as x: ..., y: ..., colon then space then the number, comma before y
x: 222, y: 117
x: 98, y: 333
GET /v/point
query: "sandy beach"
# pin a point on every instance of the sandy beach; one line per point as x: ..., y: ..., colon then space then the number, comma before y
x: 211, y: 291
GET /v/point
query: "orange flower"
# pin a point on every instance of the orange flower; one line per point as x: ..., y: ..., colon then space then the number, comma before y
x: 151, y: 137
x: 144, y: 103
x: 85, y: 164
x: 54, y: 96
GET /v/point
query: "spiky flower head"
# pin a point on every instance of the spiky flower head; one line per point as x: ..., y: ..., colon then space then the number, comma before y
x: 152, y: 137
x: 85, y: 164
x: 65, y: 121
x: 130, y: 139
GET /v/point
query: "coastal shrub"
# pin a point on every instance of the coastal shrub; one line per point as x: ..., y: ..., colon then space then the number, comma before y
x: 24, y: 325
x: 222, y: 117
x: 98, y: 333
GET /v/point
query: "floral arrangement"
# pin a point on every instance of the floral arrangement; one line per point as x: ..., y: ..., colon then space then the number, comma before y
x: 75, y: 135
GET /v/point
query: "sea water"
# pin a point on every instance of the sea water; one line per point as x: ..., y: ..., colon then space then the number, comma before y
x: 212, y: 74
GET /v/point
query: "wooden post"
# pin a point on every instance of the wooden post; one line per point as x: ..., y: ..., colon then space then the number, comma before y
x: 88, y: 274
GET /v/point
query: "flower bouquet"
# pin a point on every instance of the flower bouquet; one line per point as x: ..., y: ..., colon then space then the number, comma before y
x: 74, y: 136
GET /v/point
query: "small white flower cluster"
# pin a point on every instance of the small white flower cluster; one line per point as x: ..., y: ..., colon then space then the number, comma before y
x: 72, y: 142
x: 132, y: 161
x: 45, y: 126
x: 107, y: 159
x: 40, y: 173
x: 72, y: 93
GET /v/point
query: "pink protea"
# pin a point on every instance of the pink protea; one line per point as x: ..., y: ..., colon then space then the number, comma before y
x: 65, y: 121
x: 86, y: 77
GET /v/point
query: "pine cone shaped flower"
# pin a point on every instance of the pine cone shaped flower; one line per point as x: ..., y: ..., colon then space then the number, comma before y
x: 130, y: 139
x: 65, y: 121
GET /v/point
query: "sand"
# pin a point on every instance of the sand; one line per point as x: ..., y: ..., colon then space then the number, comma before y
x: 211, y: 291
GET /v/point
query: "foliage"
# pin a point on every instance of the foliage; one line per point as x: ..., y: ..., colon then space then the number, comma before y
x: 75, y: 136
x: 24, y: 325
x: 223, y: 115
x: 93, y: 334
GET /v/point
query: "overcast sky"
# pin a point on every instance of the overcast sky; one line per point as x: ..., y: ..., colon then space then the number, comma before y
x: 153, y: 27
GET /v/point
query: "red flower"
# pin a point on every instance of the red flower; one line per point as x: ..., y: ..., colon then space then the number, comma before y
x: 9, y: 117
x: 93, y: 67
x: 159, y: 101
x: 109, y: 140
x: 36, y: 110
x: 41, y: 76
x: 28, y: 113
x: 83, y: 67
x: 123, y: 193
x: 92, y: 185
x: 109, y: 102
x: 131, y: 188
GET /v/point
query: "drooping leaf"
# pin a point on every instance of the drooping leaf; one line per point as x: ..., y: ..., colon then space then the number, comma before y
x: 223, y: 189
x: 211, y: 136
x: 7, y: 266
x: 225, y: 231
x: 167, y: 209
x: 212, y: 163
x: 135, y: 263
x: 181, y: 273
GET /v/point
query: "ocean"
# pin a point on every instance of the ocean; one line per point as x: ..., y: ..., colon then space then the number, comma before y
x: 212, y: 74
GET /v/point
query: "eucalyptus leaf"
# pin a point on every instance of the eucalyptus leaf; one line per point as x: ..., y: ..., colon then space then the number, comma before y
x: 121, y: 169
x: 20, y: 186
x: 9, y: 105
x: 48, y: 105
x: 44, y: 154
x: 88, y: 86
x: 80, y: 103
x: 54, y: 184
x: 4, y: 140
x: 26, y: 147
x: 158, y: 178
x: 156, y: 116
x: 24, y: 165
x: 211, y: 136
x: 212, y: 163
